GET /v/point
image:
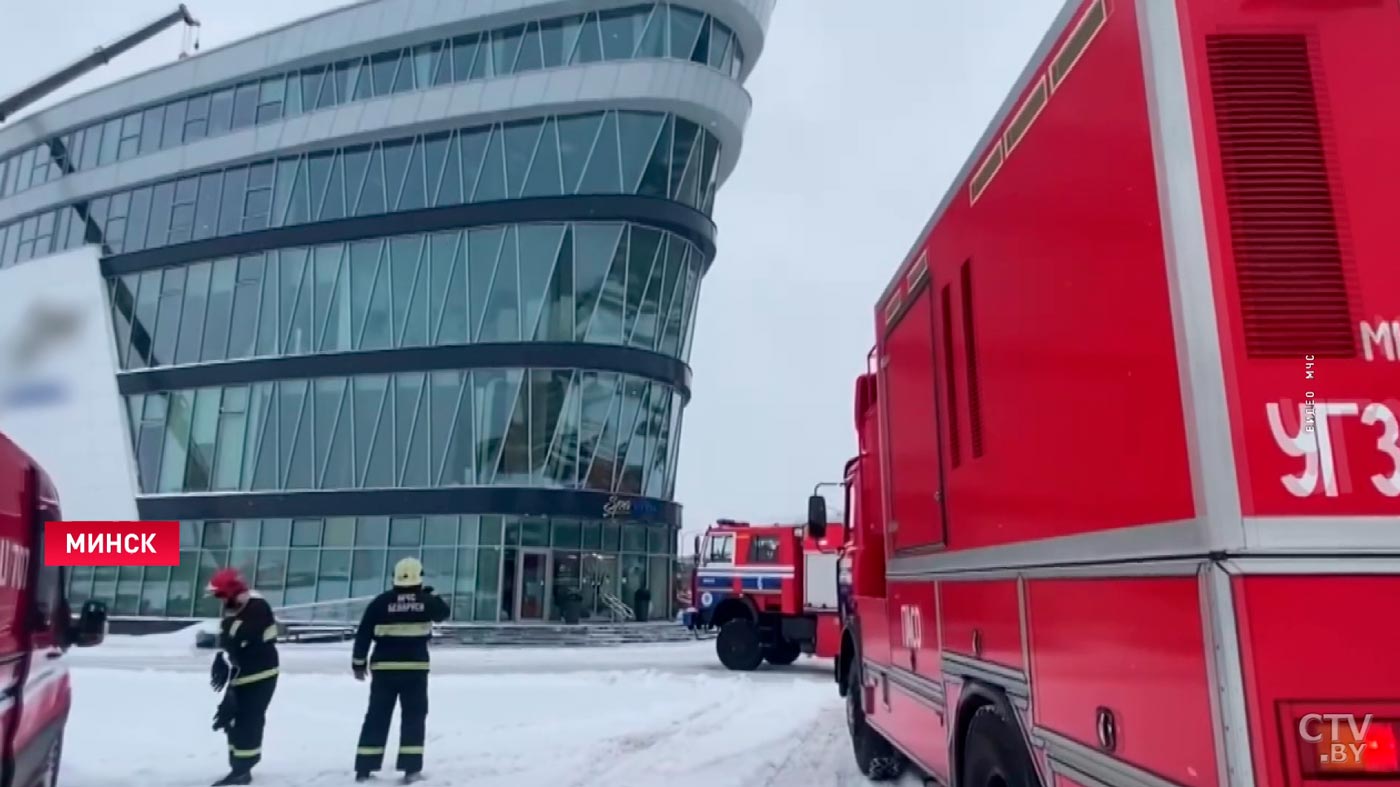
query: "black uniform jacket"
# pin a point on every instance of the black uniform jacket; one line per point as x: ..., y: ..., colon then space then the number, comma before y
x: 249, y: 636
x: 399, y: 622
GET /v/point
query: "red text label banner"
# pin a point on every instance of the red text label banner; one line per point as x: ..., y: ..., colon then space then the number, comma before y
x: 112, y: 544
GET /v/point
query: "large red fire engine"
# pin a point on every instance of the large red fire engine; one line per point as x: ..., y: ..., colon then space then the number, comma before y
x: 770, y: 590
x: 1127, y: 507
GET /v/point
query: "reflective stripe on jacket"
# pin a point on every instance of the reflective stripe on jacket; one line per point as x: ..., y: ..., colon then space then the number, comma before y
x: 398, y: 623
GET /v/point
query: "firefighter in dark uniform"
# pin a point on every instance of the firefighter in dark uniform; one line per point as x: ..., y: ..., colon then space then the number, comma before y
x: 399, y: 622
x: 247, y: 664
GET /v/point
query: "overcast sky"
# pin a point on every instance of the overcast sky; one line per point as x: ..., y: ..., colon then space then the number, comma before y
x: 864, y: 110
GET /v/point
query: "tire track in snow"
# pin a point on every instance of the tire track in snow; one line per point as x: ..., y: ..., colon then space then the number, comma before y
x: 812, y: 760
x: 751, y: 734
x: 823, y: 757
x: 636, y: 756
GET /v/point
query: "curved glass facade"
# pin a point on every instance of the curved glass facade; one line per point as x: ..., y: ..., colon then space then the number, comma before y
x: 657, y: 30
x: 305, y: 565
x: 554, y: 428
x: 613, y: 152
x: 595, y: 282
x: 384, y: 330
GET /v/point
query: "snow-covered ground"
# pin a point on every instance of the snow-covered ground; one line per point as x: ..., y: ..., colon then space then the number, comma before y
x: 638, y: 716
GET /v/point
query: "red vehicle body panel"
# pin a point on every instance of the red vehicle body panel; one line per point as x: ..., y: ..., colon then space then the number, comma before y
x: 982, y: 620
x: 1350, y: 640
x: 903, y: 711
x: 1147, y: 662
x: 1355, y: 52
x: 1071, y: 282
x: 1130, y: 439
x: 828, y: 637
x: 33, y: 621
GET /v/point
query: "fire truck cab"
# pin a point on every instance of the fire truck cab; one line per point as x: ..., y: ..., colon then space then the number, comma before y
x: 1128, y: 492
x: 36, y: 626
x: 771, y: 590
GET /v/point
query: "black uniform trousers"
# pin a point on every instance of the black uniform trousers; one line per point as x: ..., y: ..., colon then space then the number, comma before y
x: 409, y: 690
x: 245, y: 734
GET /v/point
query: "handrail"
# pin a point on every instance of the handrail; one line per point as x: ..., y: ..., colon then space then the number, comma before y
x: 617, y: 606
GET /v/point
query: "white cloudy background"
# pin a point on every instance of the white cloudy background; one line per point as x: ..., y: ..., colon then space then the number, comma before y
x: 864, y: 110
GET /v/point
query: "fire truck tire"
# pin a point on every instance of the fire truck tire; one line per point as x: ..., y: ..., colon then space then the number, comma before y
x: 993, y: 753
x: 53, y: 760
x: 738, y: 645
x: 783, y: 653
x: 877, y: 760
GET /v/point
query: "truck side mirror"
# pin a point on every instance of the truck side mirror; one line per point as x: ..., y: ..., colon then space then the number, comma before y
x: 697, y: 549
x: 91, y: 627
x: 816, y: 516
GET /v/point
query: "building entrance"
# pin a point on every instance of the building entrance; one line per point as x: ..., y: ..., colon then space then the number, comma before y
x: 532, y: 590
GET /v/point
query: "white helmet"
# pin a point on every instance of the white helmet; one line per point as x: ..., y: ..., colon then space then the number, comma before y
x: 408, y: 573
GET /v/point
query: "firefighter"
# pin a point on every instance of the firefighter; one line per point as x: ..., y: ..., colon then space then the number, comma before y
x: 247, y: 665
x: 399, y: 622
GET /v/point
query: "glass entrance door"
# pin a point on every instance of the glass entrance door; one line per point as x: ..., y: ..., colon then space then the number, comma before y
x: 599, y: 584
x: 532, y: 591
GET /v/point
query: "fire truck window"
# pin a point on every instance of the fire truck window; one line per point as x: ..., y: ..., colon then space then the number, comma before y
x: 763, y: 549
x: 721, y: 549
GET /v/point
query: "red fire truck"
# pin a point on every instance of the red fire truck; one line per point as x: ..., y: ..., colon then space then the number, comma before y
x: 35, y: 627
x: 770, y: 590
x: 1128, y: 492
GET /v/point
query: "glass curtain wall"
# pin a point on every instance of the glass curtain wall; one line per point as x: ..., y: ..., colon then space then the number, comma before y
x: 598, y: 153
x: 643, y: 31
x: 471, y: 559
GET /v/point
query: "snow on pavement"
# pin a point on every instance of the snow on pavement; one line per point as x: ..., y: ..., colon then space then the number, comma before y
x: 616, y: 717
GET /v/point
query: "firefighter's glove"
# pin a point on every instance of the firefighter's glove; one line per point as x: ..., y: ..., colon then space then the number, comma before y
x: 218, y: 673
x: 223, y: 717
x: 427, y: 588
x: 359, y: 670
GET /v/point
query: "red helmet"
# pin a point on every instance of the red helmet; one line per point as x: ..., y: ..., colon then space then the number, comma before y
x: 227, y: 583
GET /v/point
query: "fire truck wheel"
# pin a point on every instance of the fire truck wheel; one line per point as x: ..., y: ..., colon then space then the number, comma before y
x: 876, y: 758
x: 993, y: 752
x: 783, y: 653
x: 51, y: 766
x: 738, y: 645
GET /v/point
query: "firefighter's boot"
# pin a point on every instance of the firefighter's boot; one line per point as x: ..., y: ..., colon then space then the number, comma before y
x: 413, y: 776
x: 234, y: 778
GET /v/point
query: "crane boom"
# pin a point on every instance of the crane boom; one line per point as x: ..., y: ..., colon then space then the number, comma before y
x: 99, y: 57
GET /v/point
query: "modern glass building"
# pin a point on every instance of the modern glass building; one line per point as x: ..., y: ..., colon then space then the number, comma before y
x: 407, y: 278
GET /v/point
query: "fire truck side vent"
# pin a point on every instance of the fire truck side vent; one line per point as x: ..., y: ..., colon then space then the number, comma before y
x: 1283, y: 225
x: 1077, y: 43
x: 917, y: 272
x: 984, y: 174
x: 892, y: 308
x: 974, y: 388
x: 1029, y: 111
x: 950, y: 378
